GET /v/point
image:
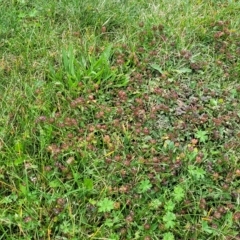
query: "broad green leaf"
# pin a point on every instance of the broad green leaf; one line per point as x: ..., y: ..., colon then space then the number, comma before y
x: 23, y: 189
x: 183, y: 70
x: 213, y: 102
x: 157, y: 67
x: 55, y: 183
x: 18, y: 146
x: 206, y: 228
x: 88, y: 183
x: 19, y: 160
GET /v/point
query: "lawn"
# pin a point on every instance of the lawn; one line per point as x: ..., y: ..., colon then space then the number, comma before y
x: 120, y: 120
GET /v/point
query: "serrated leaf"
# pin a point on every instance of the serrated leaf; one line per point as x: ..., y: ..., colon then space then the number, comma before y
x: 109, y: 223
x: 168, y: 236
x: 202, y: 135
x: 169, y: 220
x: 196, y: 172
x: 105, y: 205
x: 169, y: 205
x: 155, y: 204
x: 157, y: 67
x: 178, y: 193
x: 144, y: 186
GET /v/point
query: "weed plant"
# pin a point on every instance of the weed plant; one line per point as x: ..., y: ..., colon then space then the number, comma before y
x: 119, y: 119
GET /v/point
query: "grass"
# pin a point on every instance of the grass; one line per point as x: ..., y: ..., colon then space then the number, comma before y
x: 119, y: 119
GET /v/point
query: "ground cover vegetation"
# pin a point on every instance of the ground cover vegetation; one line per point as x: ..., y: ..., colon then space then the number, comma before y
x: 119, y: 119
